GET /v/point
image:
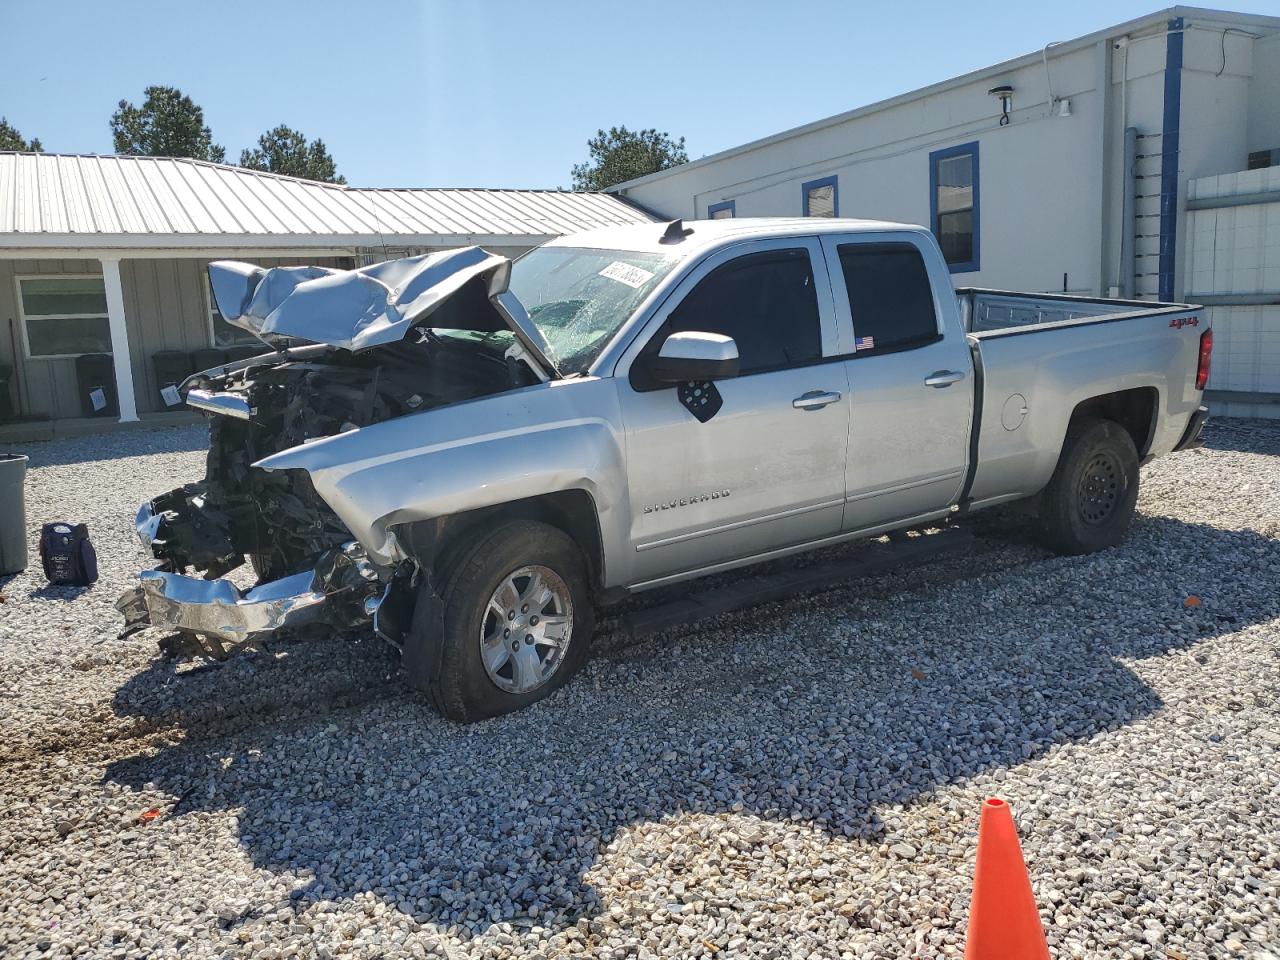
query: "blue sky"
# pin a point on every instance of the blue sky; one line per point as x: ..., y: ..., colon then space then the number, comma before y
x: 501, y: 93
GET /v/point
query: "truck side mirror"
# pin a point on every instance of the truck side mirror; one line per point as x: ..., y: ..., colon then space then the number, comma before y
x: 693, y: 355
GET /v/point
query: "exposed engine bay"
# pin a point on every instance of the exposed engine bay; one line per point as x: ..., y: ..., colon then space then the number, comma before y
x: 307, y: 566
x: 274, y: 518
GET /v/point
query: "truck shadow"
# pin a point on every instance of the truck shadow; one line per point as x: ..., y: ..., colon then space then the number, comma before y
x: 821, y: 714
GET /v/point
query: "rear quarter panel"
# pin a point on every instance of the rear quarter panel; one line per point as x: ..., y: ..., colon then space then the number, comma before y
x: 1057, y: 367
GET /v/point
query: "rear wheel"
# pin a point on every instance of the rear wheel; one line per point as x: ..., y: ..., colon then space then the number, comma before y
x: 517, y: 621
x: 1091, y: 497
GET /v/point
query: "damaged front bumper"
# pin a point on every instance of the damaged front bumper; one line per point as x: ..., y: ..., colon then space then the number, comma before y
x: 342, y: 588
x: 220, y: 609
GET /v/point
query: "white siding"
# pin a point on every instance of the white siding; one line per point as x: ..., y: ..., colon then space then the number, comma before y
x: 1236, y: 250
x: 1034, y: 171
x: 1053, y: 188
x: 1264, y: 96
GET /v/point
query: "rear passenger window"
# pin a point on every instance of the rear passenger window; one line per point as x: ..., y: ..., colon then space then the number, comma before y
x: 765, y: 301
x: 889, y: 296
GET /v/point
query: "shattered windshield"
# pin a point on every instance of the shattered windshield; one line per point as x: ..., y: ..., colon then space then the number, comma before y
x: 578, y: 298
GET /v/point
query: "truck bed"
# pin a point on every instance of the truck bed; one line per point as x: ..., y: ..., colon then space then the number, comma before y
x: 1038, y: 356
x: 984, y: 310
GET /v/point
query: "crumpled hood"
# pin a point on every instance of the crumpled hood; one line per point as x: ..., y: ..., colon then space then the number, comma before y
x: 373, y: 305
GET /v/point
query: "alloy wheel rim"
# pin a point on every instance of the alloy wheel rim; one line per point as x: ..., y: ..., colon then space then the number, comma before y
x: 526, y: 629
x: 1099, y: 489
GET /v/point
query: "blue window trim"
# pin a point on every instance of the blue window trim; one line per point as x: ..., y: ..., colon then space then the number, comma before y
x: 1169, y: 148
x: 968, y: 266
x: 832, y: 182
x: 714, y: 208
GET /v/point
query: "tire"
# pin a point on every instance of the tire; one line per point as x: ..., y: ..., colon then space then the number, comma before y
x: 1090, y: 499
x: 463, y: 688
x: 261, y: 565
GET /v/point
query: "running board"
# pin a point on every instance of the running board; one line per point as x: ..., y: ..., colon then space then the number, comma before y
x: 750, y: 591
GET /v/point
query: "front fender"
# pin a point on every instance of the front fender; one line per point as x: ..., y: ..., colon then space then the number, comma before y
x: 563, y: 435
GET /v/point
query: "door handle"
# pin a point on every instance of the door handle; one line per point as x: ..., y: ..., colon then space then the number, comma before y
x: 815, y: 399
x: 943, y: 378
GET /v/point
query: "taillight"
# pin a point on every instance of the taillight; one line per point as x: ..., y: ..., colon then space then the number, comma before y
x: 1206, y: 352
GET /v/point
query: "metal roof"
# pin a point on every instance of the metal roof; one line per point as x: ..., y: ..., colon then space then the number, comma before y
x: 63, y: 200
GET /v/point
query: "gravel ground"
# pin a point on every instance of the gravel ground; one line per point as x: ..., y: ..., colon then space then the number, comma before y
x: 798, y: 780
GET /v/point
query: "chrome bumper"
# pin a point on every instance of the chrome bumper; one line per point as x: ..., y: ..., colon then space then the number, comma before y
x: 218, y: 608
x: 212, y: 401
x: 147, y: 523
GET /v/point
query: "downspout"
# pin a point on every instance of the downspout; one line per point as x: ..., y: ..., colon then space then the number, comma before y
x: 1169, y: 146
x: 18, y: 372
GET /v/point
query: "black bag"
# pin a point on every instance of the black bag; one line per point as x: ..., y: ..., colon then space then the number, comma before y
x: 67, y: 555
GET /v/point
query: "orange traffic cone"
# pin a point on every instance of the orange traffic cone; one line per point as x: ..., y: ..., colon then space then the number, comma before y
x: 1003, y: 921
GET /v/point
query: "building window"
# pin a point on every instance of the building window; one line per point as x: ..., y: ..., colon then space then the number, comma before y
x: 821, y: 197
x: 64, y: 316
x: 953, y: 200
x: 724, y: 210
x: 221, y: 333
x: 1261, y: 159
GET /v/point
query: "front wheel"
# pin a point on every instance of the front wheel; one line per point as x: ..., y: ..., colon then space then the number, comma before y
x: 517, y: 621
x: 1090, y: 499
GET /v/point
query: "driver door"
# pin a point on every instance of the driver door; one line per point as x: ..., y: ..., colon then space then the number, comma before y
x: 767, y: 470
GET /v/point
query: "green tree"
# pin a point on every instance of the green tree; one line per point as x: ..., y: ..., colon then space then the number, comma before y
x: 168, y: 124
x: 284, y: 150
x: 11, y: 139
x: 622, y: 154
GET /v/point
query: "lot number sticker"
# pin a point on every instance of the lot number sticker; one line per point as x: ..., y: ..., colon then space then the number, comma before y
x: 633, y: 277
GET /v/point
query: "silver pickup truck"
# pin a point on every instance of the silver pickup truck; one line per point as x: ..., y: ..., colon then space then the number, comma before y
x: 473, y: 453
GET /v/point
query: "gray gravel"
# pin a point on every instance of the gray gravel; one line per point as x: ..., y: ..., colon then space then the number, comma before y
x: 798, y: 780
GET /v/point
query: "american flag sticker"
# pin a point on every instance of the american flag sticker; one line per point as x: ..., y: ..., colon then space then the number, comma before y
x: 864, y: 343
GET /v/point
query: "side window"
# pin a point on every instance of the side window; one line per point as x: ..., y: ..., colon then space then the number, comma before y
x: 765, y: 301
x: 889, y: 296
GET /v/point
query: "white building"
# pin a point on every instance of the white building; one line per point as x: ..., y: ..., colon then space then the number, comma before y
x: 1142, y: 160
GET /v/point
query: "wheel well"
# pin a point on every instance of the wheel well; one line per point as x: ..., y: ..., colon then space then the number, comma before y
x: 436, y: 543
x: 1135, y: 410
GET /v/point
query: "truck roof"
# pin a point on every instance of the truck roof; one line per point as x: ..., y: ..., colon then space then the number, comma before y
x: 708, y: 233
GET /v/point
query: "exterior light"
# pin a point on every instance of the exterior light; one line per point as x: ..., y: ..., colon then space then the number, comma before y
x: 1005, y: 94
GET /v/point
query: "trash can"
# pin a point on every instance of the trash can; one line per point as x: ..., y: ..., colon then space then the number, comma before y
x: 172, y: 367
x: 207, y: 357
x: 96, y: 380
x: 6, y: 404
x: 13, y: 513
x: 244, y: 352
